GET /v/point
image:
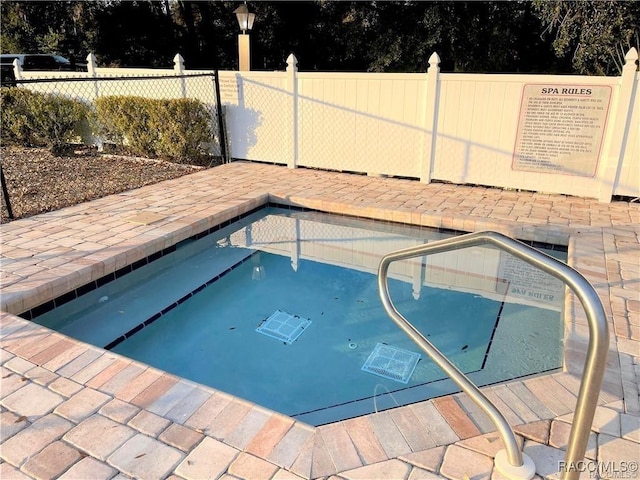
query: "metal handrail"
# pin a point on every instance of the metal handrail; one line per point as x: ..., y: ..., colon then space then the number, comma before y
x: 596, y: 354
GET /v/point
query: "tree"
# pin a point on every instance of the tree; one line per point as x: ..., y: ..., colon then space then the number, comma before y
x: 401, y: 36
x: 595, y: 35
x: 491, y: 37
x: 378, y: 36
x: 63, y: 27
x: 134, y: 33
x: 204, y: 33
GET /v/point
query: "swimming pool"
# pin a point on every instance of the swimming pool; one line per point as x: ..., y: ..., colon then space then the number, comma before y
x: 282, y: 308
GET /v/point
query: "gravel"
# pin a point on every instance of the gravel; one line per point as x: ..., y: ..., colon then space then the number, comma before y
x: 38, y: 181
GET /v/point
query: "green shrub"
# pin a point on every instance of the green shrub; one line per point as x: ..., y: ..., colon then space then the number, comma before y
x: 41, y: 119
x: 173, y: 129
x: 125, y: 121
x: 184, y: 127
x: 15, y: 117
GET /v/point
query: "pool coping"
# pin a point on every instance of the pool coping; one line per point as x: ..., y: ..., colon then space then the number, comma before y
x: 288, y: 445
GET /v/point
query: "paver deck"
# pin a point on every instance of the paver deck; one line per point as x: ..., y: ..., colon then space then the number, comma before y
x: 71, y: 410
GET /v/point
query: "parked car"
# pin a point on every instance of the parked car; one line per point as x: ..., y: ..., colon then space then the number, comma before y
x: 42, y: 62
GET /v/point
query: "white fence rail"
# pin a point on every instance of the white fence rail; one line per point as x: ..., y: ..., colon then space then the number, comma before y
x: 566, y: 134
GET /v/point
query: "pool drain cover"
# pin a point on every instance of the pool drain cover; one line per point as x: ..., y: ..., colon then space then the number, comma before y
x: 283, y: 326
x: 392, y: 363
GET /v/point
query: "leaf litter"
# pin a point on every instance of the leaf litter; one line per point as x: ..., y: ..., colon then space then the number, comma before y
x: 39, y: 181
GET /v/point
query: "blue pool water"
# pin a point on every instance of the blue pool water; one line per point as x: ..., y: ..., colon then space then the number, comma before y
x: 195, y: 313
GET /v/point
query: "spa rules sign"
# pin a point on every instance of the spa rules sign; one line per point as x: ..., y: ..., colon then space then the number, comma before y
x: 561, y: 128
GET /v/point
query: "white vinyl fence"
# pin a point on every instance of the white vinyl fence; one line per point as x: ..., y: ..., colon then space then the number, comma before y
x: 566, y: 134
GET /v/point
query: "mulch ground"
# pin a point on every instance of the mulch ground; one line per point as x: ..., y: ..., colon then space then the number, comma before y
x: 39, y: 181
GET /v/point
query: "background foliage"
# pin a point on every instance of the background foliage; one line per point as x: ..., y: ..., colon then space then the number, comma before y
x: 550, y: 36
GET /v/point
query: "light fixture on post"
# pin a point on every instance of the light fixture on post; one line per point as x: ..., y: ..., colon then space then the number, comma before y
x: 245, y: 20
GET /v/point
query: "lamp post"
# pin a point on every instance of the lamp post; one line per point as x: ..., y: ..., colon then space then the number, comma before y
x: 245, y: 20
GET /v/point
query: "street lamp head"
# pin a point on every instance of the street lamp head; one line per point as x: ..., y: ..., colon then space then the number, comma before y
x: 245, y: 18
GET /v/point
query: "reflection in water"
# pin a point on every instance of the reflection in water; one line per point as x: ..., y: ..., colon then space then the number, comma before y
x: 485, y: 271
x: 257, y: 272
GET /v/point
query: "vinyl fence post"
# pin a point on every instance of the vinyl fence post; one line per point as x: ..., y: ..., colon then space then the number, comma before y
x: 178, y: 68
x: 92, y: 65
x: 92, y: 70
x: 430, y: 118
x: 17, y: 69
x: 619, y: 126
x: 292, y: 86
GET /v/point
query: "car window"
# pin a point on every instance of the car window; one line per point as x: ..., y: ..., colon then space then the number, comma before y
x: 8, y: 58
x: 39, y: 62
x: 62, y: 60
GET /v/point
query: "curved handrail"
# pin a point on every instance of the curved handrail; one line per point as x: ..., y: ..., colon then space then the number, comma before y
x: 596, y: 354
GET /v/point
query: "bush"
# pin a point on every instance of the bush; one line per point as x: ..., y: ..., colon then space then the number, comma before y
x: 125, y: 121
x: 15, y: 117
x: 171, y: 129
x: 184, y: 127
x: 41, y: 119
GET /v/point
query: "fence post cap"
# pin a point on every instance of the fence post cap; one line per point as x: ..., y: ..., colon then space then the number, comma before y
x: 292, y: 61
x: 632, y: 55
x: 434, y: 64
x: 178, y: 63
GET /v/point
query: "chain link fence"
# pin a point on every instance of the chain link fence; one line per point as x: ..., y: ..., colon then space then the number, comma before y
x: 61, y: 101
x: 202, y: 87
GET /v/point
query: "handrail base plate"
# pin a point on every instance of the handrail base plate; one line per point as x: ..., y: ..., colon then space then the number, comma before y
x: 524, y: 472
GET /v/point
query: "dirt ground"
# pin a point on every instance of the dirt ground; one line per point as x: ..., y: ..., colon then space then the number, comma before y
x: 38, y: 181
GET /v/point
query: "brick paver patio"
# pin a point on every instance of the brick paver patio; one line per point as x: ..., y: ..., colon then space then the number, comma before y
x: 71, y: 410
